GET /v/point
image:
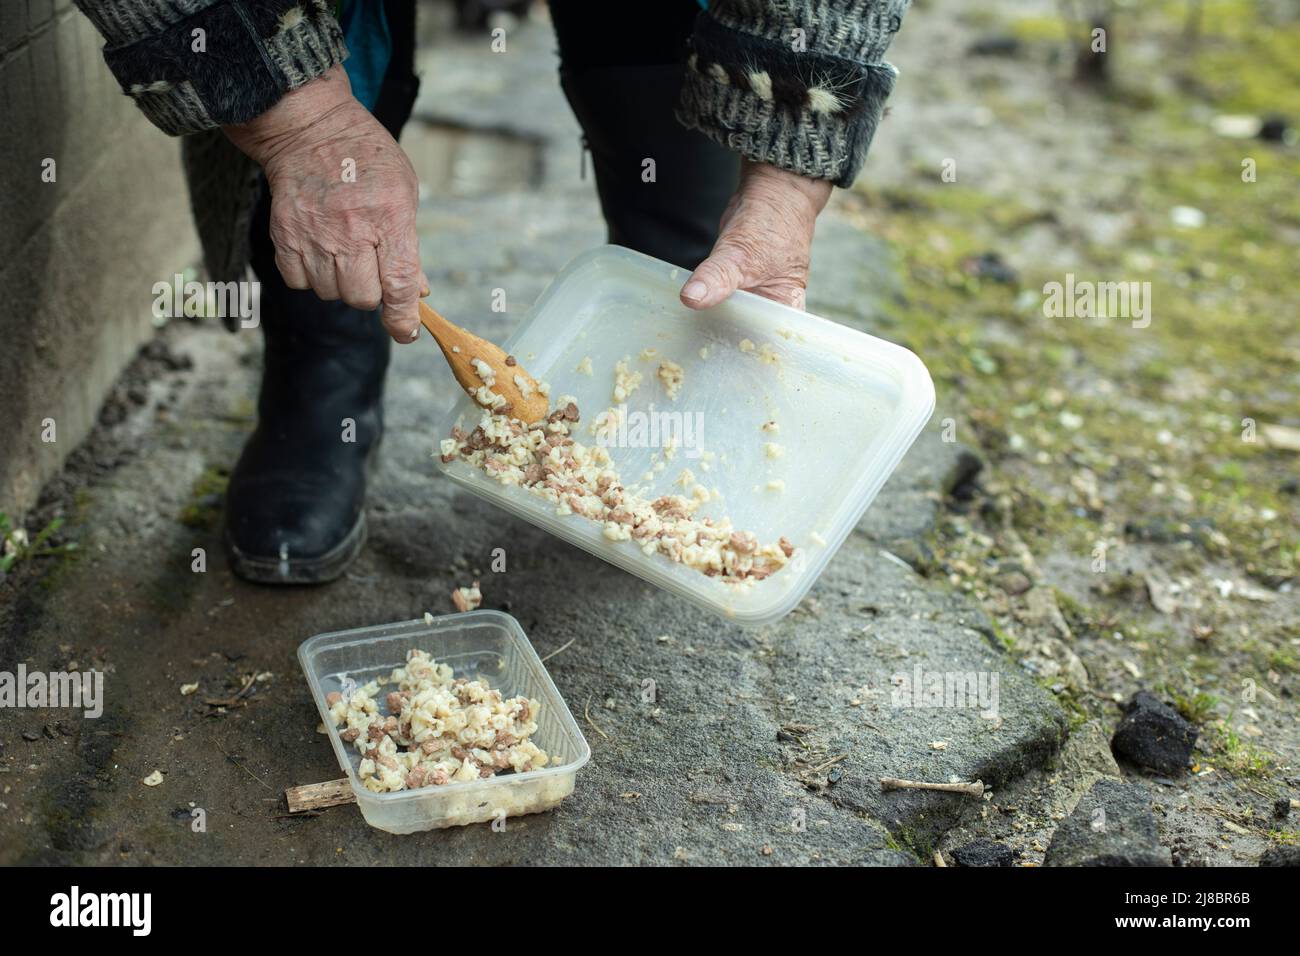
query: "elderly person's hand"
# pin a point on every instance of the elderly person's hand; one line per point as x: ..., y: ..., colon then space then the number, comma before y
x: 765, y: 241
x: 343, y: 201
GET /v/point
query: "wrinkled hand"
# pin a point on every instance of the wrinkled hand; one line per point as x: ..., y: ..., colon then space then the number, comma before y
x: 765, y: 241
x: 343, y: 201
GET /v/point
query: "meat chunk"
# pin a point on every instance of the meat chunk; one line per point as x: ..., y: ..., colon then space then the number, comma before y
x: 467, y: 599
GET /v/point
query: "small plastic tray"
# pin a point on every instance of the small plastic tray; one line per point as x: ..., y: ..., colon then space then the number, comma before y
x: 848, y: 406
x: 479, y: 644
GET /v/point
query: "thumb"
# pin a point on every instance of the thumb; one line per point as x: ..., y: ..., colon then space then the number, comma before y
x: 716, y: 277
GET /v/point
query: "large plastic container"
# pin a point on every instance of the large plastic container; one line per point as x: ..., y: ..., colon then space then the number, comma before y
x: 848, y: 406
x: 479, y: 644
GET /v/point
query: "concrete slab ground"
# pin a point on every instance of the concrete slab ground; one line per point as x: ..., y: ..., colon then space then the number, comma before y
x: 764, y: 745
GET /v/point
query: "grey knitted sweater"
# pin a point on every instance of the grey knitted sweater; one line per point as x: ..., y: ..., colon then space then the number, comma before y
x: 800, y: 84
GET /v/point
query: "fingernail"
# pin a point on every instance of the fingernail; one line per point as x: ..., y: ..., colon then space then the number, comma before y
x: 415, y: 333
x: 695, y: 290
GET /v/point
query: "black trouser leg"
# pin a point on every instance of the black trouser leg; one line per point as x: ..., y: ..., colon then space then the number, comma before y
x: 623, y: 91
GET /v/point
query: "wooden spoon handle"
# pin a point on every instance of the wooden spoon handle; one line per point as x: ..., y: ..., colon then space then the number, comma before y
x: 438, y: 326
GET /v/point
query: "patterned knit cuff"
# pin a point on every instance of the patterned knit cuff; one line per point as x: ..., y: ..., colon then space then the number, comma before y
x: 809, y: 112
x: 248, y: 55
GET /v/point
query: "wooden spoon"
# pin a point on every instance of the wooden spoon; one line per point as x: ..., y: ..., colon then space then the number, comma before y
x: 461, y: 348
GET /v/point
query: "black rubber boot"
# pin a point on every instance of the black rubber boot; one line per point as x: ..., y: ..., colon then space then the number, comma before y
x: 627, y: 116
x: 295, y: 506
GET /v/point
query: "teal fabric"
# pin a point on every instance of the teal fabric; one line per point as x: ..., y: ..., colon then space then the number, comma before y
x: 370, y: 47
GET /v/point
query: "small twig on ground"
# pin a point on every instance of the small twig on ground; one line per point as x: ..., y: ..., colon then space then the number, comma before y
x: 938, y: 859
x: 559, y: 650
x: 243, y: 768
x: 829, y: 763
x: 586, y: 712
x: 236, y: 700
x: 975, y: 789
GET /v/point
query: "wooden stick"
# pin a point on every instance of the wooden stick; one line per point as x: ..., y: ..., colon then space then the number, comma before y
x: 975, y: 789
x: 317, y: 796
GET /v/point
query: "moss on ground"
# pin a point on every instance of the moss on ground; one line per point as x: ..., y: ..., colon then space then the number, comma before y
x: 203, y: 510
x: 1100, y: 433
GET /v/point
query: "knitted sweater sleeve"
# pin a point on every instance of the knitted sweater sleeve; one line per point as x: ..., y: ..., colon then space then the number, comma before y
x: 799, y: 84
x: 192, y: 65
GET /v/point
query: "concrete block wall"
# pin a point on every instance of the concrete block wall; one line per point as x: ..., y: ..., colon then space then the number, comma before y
x: 78, y: 256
